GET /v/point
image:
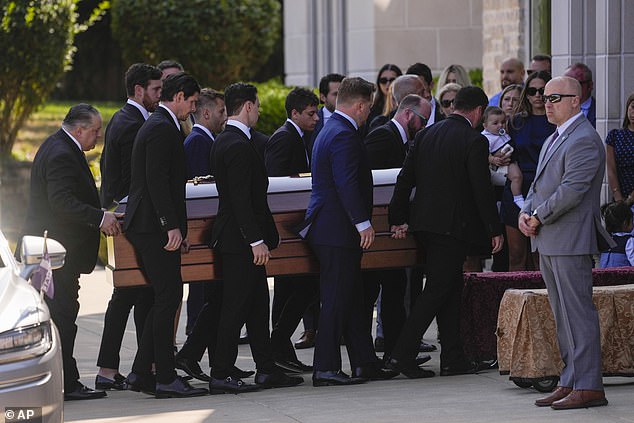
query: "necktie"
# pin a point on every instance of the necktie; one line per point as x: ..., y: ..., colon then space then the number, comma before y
x: 552, y: 141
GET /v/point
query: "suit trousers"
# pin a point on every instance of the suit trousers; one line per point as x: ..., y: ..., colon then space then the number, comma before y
x: 245, y: 299
x: 392, y: 284
x: 195, y: 303
x: 441, y: 298
x: 205, y: 329
x: 569, y: 283
x: 162, y: 268
x: 64, y: 308
x: 292, y: 297
x: 116, y: 319
x: 341, y: 294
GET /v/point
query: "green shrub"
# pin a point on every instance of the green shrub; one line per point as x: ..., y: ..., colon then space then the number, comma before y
x: 36, y: 41
x: 272, y: 96
x: 476, y: 77
x: 217, y: 41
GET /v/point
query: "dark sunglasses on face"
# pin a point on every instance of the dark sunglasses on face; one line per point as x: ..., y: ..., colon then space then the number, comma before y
x: 446, y: 103
x: 533, y: 91
x: 422, y: 118
x: 385, y: 80
x: 555, y: 98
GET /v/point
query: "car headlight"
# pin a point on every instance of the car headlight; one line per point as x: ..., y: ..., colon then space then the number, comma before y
x: 25, y: 342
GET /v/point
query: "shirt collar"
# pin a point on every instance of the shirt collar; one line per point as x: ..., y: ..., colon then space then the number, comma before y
x: 561, y: 129
x: 339, y: 112
x: 585, y: 106
x: 74, y: 140
x: 301, y: 133
x: 432, y: 114
x: 327, y: 113
x: 178, y: 125
x: 241, y: 126
x: 205, y: 130
x: 401, y: 131
x: 142, y: 109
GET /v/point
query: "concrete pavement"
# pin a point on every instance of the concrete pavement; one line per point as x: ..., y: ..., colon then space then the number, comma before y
x: 485, y: 397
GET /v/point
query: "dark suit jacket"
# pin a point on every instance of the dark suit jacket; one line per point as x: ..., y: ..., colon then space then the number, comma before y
x: 592, y: 113
x: 197, y: 149
x: 157, y: 190
x: 448, y: 166
x: 64, y: 200
x: 243, y: 215
x: 318, y: 128
x: 342, y: 186
x: 259, y: 141
x: 285, y: 152
x: 385, y: 147
x: 117, y: 152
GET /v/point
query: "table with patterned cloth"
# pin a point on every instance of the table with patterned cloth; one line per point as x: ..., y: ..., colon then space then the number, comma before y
x: 483, y: 293
x: 527, y: 339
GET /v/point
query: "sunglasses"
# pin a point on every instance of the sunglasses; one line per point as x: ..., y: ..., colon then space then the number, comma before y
x: 384, y: 81
x: 446, y: 103
x: 422, y: 118
x: 531, y: 91
x: 555, y: 98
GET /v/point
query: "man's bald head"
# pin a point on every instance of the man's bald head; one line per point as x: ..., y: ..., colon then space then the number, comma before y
x: 568, y: 101
x: 511, y: 72
x: 405, y: 85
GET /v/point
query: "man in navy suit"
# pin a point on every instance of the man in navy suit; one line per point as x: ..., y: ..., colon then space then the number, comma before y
x: 210, y: 118
x: 582, y: 73
x: 287, y: 153
x: 156, y: 225
x: 143, y: 86
x: 338, y: 228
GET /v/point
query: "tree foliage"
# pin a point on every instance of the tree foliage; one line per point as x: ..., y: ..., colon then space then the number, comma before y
x: 36, y: 41
x: 217, y: 41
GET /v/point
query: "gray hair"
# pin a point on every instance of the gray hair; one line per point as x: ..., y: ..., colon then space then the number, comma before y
x: 80, y: 115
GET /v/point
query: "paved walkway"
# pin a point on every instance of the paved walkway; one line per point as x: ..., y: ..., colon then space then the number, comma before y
x: 485, y: 397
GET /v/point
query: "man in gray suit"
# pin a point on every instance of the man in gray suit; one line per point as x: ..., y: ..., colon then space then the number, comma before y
x: 561, y: 215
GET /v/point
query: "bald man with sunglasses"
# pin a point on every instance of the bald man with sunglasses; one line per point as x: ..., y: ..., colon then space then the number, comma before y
x: 561, y: 215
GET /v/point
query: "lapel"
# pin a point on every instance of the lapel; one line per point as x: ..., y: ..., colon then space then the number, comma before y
x: 545, y: 156
x: 83, y: 164
x: 344, y: 121
x: 397, y: 137
x: 303, y: 141
x: 197, y: 130
x: 244, y: 138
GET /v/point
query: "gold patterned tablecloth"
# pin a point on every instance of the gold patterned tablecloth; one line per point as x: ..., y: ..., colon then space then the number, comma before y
x: 527, y: 343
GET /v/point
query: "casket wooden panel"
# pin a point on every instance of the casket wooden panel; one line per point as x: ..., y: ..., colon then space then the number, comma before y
x: 287, y: 198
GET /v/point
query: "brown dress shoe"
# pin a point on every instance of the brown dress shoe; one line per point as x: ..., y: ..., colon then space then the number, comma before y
x: 559, y: 393
x: 306, y: 341
x: 581, y: 399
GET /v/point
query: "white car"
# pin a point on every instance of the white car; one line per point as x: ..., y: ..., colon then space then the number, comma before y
x: 31, y: 379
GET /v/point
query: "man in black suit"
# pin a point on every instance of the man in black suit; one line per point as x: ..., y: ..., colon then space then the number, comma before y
x: 288, y: 153
x: 454, y: 206
x: 243, y: 234
x: 143, y: 86
x: 156, y: 225
x: 338, y: 229
x: 387, y: 146
x: 64, y: 201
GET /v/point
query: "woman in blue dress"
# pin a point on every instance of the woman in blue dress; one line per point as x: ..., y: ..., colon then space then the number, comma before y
x: 528, y: 129
x: 620, y: 156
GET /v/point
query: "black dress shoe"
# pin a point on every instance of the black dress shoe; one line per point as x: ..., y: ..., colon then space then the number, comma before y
x: 82, y: 392
x: 466, y: 368
x: 331, y: 378
x: 191, y: 367
x: 118, y: 383
x: 425, y: 347
x: 145, y: 383
x: 276, y: 379
x: 411, y: 370
x: 293, y: 366
x: 241, y: 374
x: 230, y: 385
x: 307, y: 340
x: 422, y: 359
x: 373, y: 372
x: 179, y: 388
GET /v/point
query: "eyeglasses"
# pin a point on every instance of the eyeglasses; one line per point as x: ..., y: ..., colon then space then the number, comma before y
x: 556, y: 98
x: 446, y: 103
x: 532, y: 91
x: 422, y: 118
x: 384, y: 80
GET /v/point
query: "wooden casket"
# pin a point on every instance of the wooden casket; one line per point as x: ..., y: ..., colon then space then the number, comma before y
x: 288, y: 198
